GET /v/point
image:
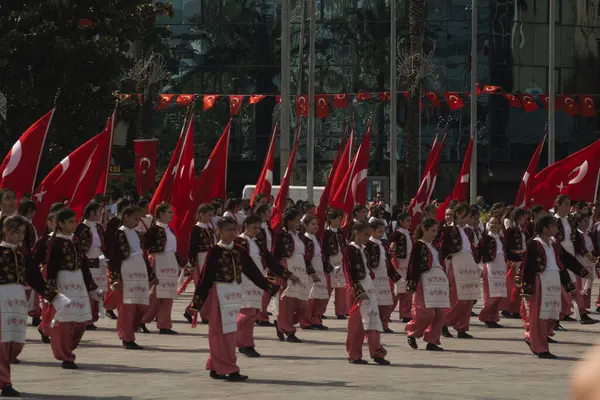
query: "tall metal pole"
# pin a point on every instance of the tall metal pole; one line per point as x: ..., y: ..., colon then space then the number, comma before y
x: 473, y: 183
x: 420, y: 126
x: 551, y: 88
x: 393, y: 107
x: 284, y: 146
x: 310, y: 140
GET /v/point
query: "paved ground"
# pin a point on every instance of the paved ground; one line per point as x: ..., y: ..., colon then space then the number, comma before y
x: 496, y: 365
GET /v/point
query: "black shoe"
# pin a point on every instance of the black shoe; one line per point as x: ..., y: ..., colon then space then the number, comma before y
x: 529, y: 344
x: 45, y: 339
x: 568, y: 319
x: 132, y: 346
x: 464, y: 335
x: 406, y: 320
x: 446, y: 333
x: 310, y: 327
x: 69, y: 365
x: 598, y: 309
x: 111, y: 314
x: 515, y: 315
x: 550, y: 340
x: 279, y: 333
x: 547, y: 355
x: 344, y: 317
x: 381, y: 361
x: 493, y: 325
x: 214, y: 375
x: 586, y: 320
x: 360, y: 361
x: 36, y: 321
x: 188, y: 317
x: 559, y: 327
x: 321, y: 327
x: 263, y: 323
x: 388, y: 330
x: 91, y: 327
x: 249, y: 351
x: 506, y: 314
x: 167, y: 332
x: 9, y: 391
x: 474, y: 314
x: 203, y: 321
x: 16, y: 361
x: 433, y: 347
x: 236, y: 377
x: 323, y: 317
x: 412, y: 342
x: 143, y: 328
x: 293, y: 339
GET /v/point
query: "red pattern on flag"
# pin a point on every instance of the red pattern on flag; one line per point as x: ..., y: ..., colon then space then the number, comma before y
x: 527, y: 182
x: 461, y: 187
x: 343, y: 165
x: 454, y: 101
x: 164, y: 100
x: 513, y: 100
x: 183, y: 179
x: 235, y: 102
x: 362, y: 96
x: 588, y: 108
x: 146, y: 154
x: 255, y: 98
x: 209, y: 101
x: 491, y: 89
x: 434, y: 98
x: 265, y: 180
x: 568, y: 104
x: 322, y: 105
x: 185, y: 99
x: 302, y: 105
x: 385, y: 96
x: 529, y: 103
x: 340, y: 100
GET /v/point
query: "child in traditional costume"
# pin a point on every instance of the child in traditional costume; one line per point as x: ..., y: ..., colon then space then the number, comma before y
x: 515, y: 240
x: 399, y: 250
x: 266, y: 240
x: 334, y: 243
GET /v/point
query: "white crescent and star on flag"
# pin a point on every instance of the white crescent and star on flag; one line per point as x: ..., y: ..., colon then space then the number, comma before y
x: 15, y: 157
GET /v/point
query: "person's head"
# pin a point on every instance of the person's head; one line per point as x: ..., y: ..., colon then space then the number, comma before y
x: 164, y: 213
x: 427, y: 230
x: 14, y: 228
x: 54, y: 208
x: 92, y: 212
x: 291, y: 219
x: 449, y: 216
x: 143, y: 204
x: 122, y: 204
x: 519, y: 217
x: 405, y: 220
x: 51, y: 222
x: 480, y: 201
x: 252, y: 225
x: 264, y: 212
x: 537, y: 212
x: 227, y: 228
x: 260, y: 200
x: 584, y: 208
x: 8, y: 201
x: 233, y: 205
x: 27, y: 208
x: 311, y: 224
x: 461, y: 214
x: 430, y: 211
x: 66, y: 222
x: 206, y: 212
x: 583, y: 221
x: 309, y: 208
x: 474, y: 217
x: 545, y: 227
x: 131, y: 216
x: 334, y: 218
x: 562, y: 205
x: 289, y: 203
x: 360, y: 212
x: 377, y: 228
x: 362, y: 232
x: 494, y: 225
x: 508, y: 212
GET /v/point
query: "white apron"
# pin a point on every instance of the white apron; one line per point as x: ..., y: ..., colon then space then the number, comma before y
x: 382, y: 286
x: 436, y: 289
x: 13, y: 313
x: 496, y: 276
x: 369, y: 310
x: 466, y: 275
x: 297, y: 266
x: 252, y: 295
x: 319, y: 289
x: 71, y: 284
x: 400, y: 286
x: 230, y: 301
x: 336, y: 277
x: 166, y: 269
x: 135, y: 280
x: 99, y: 274
x: 550, y: 291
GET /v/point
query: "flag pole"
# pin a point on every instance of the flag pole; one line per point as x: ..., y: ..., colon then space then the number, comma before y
x: 551, y: 88
x: 44, y: 143
x: 597, y: 184
x: 310, y: 138
x: 393, y: 109
x: 473, y: 181
x: 284, y: 146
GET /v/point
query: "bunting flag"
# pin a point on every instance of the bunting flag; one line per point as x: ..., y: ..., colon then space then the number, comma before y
x: 265, y: 180
x: 255, y: 98
x: 340, y: 100
x: 490, y: 89
x: 524, y: 195
x: 529, y: 104
x: 461, y: 187
x: 235, y: 102
x: 568, y: 105
x: 454, y: 101
x: 19, y: 168
x: 146, y: 155
x: 163, y: 101
x: 385, y: 96
x: 588, y: 108
x: 434, y: 99
x: 362, y: 96
x: 185, y: 99
x: 209, y: 101
x: 322, y: 105
x: 302, y: 106
x: 513, y: 100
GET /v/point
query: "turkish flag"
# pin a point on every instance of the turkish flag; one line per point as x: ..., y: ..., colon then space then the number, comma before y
x: 164, y: 190
x: 322, y: 103
x: 60, y: 183
x: 340, y: 100
x: 362, y: 96
x: 524, y: 195
x: 421, y: 199
x: 163, y: 101
x: 255, y: 98
x: 235, y: 102
x: 588, y: 109
x: 461, y: 187
x: 302, y: 105
x: 265, y: 180
x: 282, y: 195
x: 209, y: 101
x: 490, y: 89
x: 343, y: 165
x: 513, y: 100
x: 210, y: 184
x: 575, y: 176
x: 546, y: 101
x: 146, y: 154
x: 568, y: 105
x: 454, y: 101
x: 184, y: 179
x: 353, y: 189
x: 19, y: 168
x: 433, y: 98
x: 278, y: 99
x: 529, y: 103
x: 94, y: 175
x: 385, y: 96
x: 185, y: 99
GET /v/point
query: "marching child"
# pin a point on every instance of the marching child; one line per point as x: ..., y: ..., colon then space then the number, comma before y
x: 515, y: 241
x: 584, y: 252
x: 334, y: 243
x: 399, y: 250
x: 265, y: 239
x: 113, y: 300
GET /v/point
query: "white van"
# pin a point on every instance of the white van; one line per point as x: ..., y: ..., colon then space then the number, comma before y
x: 296, y: 192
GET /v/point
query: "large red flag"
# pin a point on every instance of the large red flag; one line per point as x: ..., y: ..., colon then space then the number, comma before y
x: 163, y: 191
x: 461, y: 188
x: 284, y: 189
x: 184, y: 178
x: 19, y: 168
x: 146, y: 154
x: 59, y: 184
x: 524, y: 195
x: 265, y: 180
x: 94, y: 176
x: 353, y: 189
x: 343, y: 165
x: 575, y: 176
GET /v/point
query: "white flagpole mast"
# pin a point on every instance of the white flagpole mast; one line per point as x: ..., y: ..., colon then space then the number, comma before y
x: 473, y: 183
x: 393, y: 105
x: 284, y: 146
x: 551, y: 88
x: 310, y: 139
